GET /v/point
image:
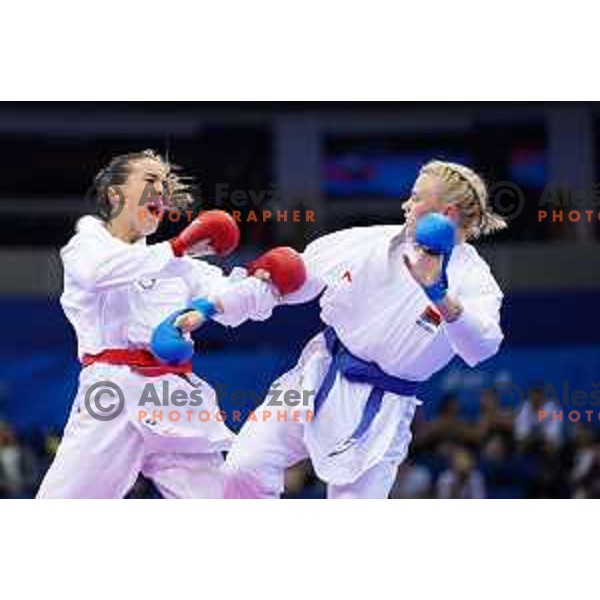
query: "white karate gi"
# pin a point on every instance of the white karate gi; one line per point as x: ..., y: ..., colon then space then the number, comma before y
x: 115, y: 294
x: 378, y: 311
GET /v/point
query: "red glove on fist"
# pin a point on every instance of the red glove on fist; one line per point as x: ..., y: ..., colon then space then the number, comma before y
x: 285, y: 267
x: 214, y: 226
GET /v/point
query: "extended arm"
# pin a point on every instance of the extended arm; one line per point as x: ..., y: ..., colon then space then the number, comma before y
x: 99, y: 261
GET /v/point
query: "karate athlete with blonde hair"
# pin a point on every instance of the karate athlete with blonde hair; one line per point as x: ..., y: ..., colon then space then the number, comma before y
x: 117, y: 290
x: 398, y: 302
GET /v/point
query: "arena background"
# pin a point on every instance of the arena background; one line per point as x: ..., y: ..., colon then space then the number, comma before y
x: 350, y: 164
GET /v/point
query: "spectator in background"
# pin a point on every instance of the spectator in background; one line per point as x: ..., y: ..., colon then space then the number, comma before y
x: 503, y: 472
x: 585, y: 475
x: 462, y: 480
x: 532, y: 431
x: 448, y: 426
x: 493, y: 419
x: 540, y: 442
x: 12, y: 479
x: 51, y: 443
x: 412, y: 481
x: 434, y: 440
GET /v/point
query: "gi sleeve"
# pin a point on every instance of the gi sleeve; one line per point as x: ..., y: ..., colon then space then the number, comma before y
x: 476, y: 335
x: 240, y: 296
x: 249, y: 298
x: 323, y: 257
x: 100, y: 264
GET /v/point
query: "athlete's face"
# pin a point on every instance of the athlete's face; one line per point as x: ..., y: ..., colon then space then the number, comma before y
x: 142, y: 196
x: 427, y: 196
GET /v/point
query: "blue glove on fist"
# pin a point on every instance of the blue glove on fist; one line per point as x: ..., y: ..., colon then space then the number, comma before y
x: 168, y: 343
x: 436, y: 234
x: 205, y: 307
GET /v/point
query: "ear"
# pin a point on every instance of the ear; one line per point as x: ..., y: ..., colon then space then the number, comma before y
x: 114, y: 195
x: 452, y: 212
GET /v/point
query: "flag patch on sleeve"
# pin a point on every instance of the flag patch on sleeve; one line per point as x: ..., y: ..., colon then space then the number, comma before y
x: 430, y: 319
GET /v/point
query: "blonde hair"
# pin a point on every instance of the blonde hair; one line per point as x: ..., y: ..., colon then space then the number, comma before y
x: 468, y: 191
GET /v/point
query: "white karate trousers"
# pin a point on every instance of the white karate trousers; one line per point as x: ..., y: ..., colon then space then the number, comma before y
x: 255, y: 466
x: 102, y: 459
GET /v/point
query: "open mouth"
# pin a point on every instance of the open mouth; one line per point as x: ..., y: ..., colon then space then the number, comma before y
x: 154, y: 210
x: 155, y: 207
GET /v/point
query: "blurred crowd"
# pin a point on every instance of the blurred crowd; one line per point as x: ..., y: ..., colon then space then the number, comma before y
x: 23, y: 460
x: 500, y: 453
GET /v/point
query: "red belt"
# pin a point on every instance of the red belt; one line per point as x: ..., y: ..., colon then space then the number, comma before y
x: 140, y: 360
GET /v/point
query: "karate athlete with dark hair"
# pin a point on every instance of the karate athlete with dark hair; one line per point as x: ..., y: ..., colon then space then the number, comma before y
x: 117, y: 290
x: 398, y: 303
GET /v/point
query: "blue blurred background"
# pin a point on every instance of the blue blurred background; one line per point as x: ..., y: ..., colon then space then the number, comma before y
x: 352, y: 164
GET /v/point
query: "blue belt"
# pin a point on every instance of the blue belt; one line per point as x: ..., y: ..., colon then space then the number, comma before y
x: 360, y: 371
